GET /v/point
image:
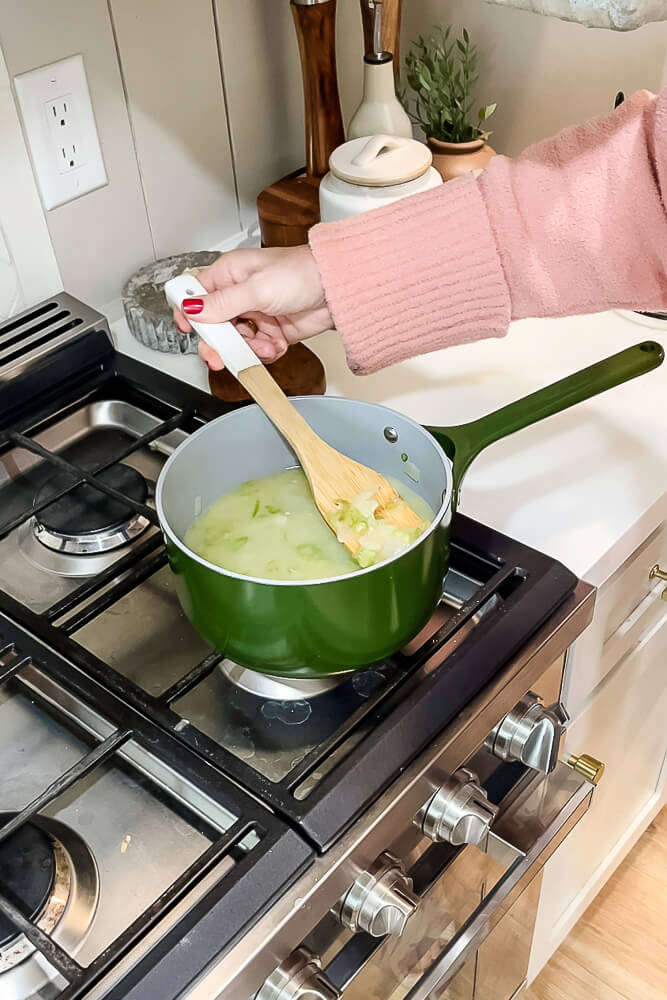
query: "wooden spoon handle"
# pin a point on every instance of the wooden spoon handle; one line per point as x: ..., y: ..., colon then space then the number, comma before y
x: 264, y: 389
x: 245, y: 366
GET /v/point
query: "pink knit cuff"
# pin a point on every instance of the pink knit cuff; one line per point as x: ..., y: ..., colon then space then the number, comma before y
x: 418, y: 275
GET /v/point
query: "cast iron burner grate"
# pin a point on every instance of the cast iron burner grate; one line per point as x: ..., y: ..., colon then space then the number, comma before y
x: 267, y: 857
x: 371, y: 736
x: 27, y: 870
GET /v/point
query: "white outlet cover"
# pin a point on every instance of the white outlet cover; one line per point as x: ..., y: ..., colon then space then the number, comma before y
x: 34, y: 91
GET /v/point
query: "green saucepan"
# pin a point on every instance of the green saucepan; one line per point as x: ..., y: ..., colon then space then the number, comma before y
x: 312, y: 629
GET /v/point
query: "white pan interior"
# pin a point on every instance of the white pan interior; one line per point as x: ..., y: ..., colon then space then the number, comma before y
x: 244, y: 445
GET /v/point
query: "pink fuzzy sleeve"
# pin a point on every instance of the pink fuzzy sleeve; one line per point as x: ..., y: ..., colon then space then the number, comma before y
x: 576, y: 224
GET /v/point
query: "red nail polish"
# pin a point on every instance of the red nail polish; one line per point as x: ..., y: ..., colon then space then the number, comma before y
x: 192, y: 306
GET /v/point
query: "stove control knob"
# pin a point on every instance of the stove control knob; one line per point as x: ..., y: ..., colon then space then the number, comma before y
x: 459, y: 812
x: 531, y: 734
x: 381, y: 901
x: 299, y: 977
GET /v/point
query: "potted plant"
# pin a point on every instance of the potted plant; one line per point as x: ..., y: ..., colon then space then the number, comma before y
x: 442, y: 74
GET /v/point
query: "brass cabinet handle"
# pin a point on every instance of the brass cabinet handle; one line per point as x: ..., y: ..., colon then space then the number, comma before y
x: 587, y: 766
x: 659, y: 574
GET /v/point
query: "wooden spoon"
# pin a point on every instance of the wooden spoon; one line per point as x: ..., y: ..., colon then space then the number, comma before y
x: 333, y: 477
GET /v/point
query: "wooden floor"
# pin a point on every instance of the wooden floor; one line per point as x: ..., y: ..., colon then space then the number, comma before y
x: 618, y: 949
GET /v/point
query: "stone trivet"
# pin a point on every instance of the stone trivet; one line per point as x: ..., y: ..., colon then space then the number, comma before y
x: 148, y: 315
x: 298, y: 373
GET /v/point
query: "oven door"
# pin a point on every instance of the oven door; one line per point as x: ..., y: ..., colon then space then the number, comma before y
x: 471, y: 933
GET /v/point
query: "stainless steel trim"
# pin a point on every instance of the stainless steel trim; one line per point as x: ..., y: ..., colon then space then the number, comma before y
x: 290, y: 920
x: 94, y: 543
x: 26, y: 338
x: 103, y: 414
x: 164, y: 776
x: 519, y: 823
x: 377, y: 27
x: 279, y: 688
x: 59, y: 563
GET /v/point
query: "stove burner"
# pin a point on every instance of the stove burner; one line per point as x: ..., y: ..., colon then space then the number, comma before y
x: 44, y: 853
x: 279, y: 688
x: 86, y: 521
x: 27, y: 872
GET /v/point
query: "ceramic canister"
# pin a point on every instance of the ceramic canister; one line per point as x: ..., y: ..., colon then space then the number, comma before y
x: 372, y: 171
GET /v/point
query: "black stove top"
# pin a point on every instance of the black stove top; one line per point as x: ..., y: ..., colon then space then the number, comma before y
x: 316, y: 762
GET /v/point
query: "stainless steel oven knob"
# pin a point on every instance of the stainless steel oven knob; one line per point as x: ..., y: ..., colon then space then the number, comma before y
x: 381, y: 901
x: 459, y: 812
x: 530, y: 733
x: 299, y: 977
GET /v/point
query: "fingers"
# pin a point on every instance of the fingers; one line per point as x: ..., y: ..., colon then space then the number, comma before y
x: 209, y: 357
x: 269, y: 347
x: 235, y: 266
x: 262, y: 333
x: 182, y: 321
x: 224, y: 304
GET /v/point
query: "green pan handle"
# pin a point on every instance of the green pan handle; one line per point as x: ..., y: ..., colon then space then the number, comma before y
x: 464, y: 443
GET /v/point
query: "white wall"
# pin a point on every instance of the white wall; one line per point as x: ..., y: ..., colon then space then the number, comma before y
x: 164, y: 74
x: 545, y: 73
x: 27, y: 247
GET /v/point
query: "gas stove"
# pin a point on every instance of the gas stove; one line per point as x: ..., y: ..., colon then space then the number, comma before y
x: 173, y: 825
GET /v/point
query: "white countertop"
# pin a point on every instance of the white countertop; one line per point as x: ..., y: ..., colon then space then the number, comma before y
x: 585, y: 486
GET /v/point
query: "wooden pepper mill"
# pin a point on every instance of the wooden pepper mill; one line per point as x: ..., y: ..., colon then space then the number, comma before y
x: 290, y: 206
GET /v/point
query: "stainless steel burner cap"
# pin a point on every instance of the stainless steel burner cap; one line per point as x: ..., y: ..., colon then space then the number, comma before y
x: 278, y: 688
x: 93, y: 544
x: 87, y: 521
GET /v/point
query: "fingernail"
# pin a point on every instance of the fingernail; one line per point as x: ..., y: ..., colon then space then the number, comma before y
x: 192, y: 306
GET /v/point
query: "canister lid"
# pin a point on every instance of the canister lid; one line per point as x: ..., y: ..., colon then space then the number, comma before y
x: 380, y: 160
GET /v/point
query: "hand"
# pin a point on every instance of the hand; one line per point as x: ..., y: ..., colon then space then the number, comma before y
x: 280, y: 290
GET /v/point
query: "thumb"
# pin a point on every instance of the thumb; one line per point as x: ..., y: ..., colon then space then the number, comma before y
x: 223, y: 304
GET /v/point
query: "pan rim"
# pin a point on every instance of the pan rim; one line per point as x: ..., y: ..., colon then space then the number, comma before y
x: 355, y: 574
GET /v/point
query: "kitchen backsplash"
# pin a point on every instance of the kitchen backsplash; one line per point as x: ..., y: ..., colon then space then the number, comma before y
x: 199, y: 105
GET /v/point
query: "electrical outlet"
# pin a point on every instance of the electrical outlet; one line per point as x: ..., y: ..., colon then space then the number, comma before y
x: 59, y: 112
x: 60, y: 128
x: 65, y: 130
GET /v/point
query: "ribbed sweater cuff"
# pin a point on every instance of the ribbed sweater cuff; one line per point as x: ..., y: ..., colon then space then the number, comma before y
x: 413, y: 277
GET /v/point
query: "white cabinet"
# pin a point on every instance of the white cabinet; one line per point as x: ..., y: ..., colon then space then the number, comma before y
x: 616, y: 694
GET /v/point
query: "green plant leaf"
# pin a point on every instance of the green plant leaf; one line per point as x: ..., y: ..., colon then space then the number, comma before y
x: 440, y: 75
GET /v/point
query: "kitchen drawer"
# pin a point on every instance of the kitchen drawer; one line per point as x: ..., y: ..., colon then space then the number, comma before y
x: 627, y: 607
x: 630, y: 584
x: 624, y: 726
